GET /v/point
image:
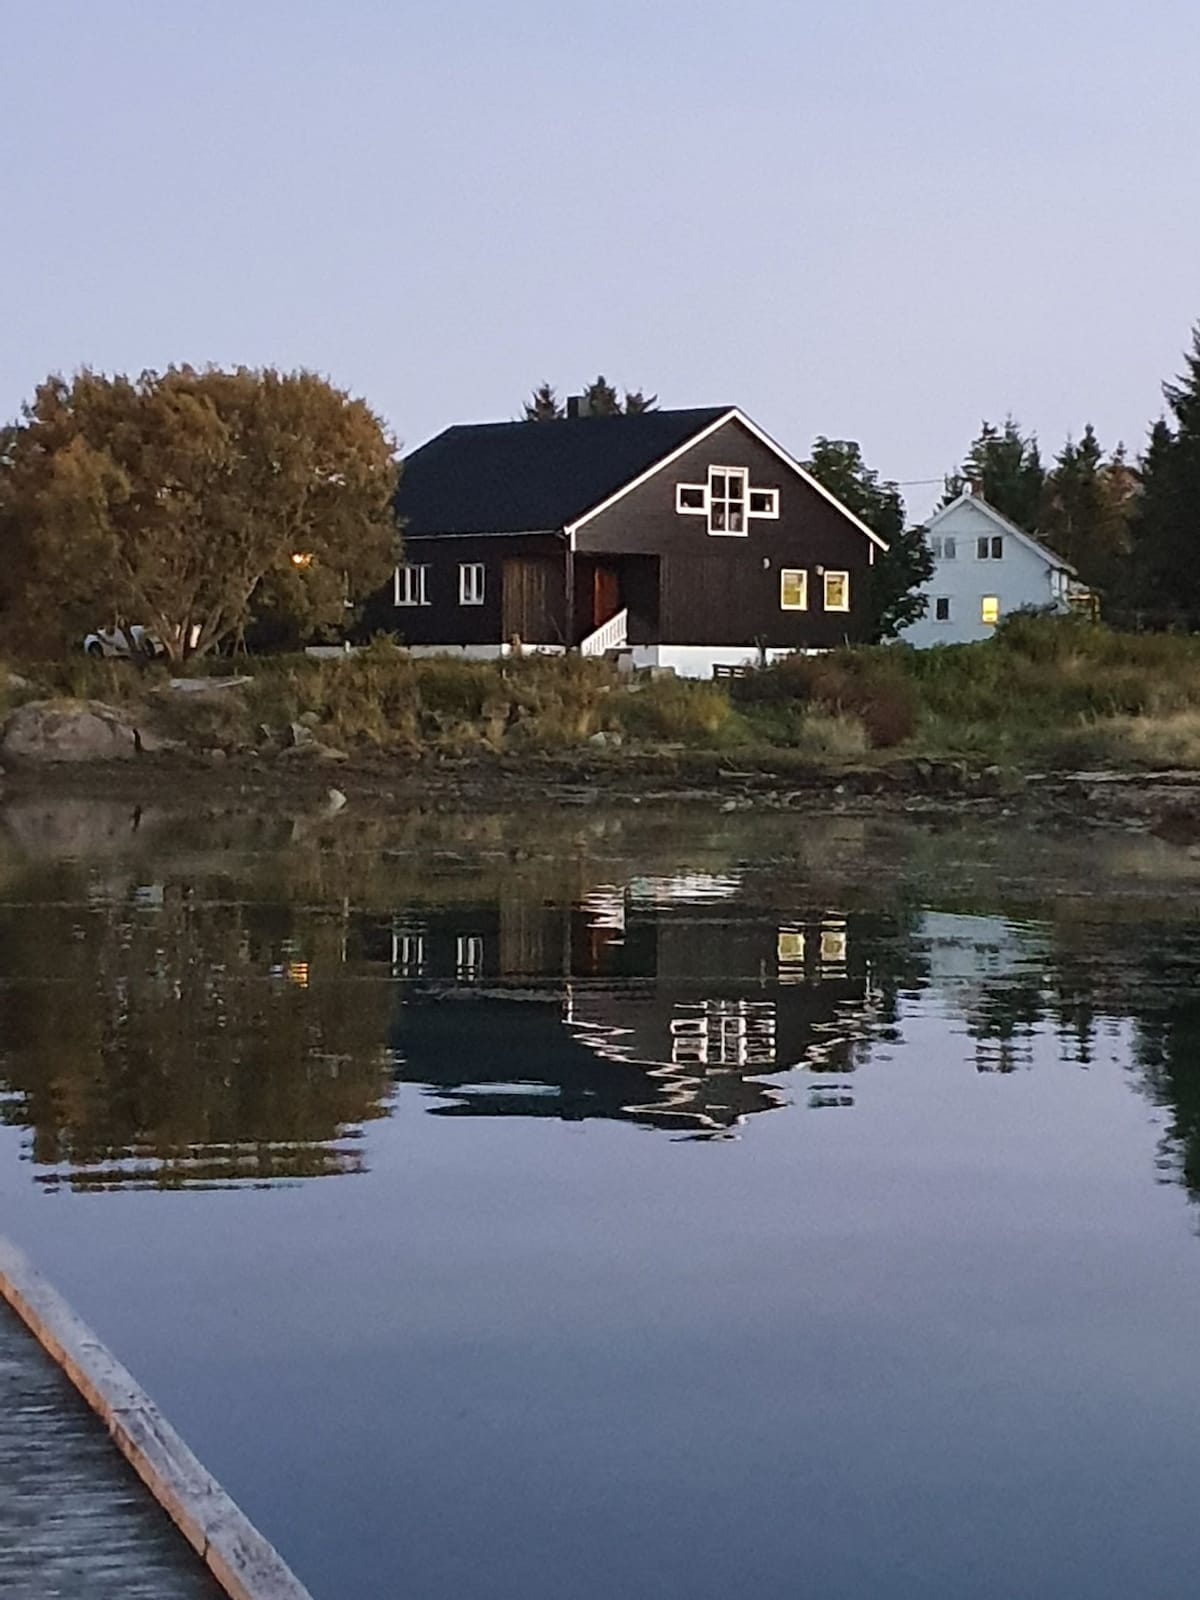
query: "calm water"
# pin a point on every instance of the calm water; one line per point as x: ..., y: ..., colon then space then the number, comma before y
x: 642, y: 1204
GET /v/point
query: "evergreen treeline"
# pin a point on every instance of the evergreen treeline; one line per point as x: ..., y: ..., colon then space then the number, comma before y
x: 1130, y: 529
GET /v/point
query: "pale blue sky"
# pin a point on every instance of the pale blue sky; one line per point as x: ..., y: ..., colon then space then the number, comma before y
x: 881, y: 219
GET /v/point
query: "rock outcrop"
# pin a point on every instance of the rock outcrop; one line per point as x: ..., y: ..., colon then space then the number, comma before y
x: 68, y: 730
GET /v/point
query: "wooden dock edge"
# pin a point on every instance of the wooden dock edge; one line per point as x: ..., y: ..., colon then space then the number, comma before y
x: 245, y: 1564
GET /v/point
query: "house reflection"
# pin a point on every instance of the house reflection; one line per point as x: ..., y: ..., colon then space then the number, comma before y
x: 668, y: 1002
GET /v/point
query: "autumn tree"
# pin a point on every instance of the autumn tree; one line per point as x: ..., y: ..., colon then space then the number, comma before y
x: 190, y: 501
x: 898, y: 572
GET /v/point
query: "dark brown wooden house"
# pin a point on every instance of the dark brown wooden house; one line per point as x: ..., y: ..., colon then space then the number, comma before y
x: 687, y: 538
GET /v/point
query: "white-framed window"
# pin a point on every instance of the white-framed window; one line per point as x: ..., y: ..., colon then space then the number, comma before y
x: 941, y: 608
x: 989, y: 609
x: 468, y: 956
x: 412, y: 586
x: 935, y: 548
x: 949, y: 548
x: 728, y: 500
x: 728, y: 492
x: 793, y: 589
x: 408, y: 952
x: 691, y: 499
x: 837, y: 591
x: 989, y: 549
x: 470, y: 583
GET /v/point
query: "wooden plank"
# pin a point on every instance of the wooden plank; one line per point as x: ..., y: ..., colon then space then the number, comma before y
x: 244, y: 1563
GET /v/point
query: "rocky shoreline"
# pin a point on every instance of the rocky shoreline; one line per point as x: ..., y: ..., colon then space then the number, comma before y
x: 301, y: 779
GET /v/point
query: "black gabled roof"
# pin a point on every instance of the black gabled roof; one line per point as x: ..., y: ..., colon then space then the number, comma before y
x: 527, y: 477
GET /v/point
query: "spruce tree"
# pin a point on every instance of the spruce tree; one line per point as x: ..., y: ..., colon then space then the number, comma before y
x: 636, y: 402
x: 542, y: 405
x: 1006, y: 468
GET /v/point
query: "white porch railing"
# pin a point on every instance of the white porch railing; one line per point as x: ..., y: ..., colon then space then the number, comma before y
x: 610, y: 635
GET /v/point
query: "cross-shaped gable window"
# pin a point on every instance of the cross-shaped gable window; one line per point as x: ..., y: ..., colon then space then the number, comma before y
x: 728, y: 500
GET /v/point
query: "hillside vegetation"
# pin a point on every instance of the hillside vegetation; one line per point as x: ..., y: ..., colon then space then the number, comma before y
x: 1042, y: 692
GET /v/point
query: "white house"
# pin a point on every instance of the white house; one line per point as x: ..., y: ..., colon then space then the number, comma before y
x: 985, y: 567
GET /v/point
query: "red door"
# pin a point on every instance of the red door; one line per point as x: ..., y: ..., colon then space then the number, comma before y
x: 606, y: 595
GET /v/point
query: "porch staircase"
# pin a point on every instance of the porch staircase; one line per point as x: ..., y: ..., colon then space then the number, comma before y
x: 610, y: 635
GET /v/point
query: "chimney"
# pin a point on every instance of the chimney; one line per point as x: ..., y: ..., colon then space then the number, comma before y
x: 578, y: 406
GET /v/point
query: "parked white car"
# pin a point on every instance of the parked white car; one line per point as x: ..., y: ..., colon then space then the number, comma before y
x: 123, y: 644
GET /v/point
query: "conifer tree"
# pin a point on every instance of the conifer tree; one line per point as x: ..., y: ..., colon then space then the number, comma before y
x: 543, y: 405
x: 1006, y: 468
x: 1166, y: 527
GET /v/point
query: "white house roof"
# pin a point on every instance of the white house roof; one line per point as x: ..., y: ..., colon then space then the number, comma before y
x: 1002, y: 525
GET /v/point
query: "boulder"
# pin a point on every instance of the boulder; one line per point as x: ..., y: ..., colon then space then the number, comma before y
x: 68, y: 730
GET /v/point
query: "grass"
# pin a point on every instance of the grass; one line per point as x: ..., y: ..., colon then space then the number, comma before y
x: 1043, y: 690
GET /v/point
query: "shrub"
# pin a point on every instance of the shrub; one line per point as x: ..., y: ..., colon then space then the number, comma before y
x: 676, y: 709
x: 869, y: 685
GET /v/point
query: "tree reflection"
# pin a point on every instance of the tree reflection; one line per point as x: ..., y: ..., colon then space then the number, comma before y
x: 159, y: 1040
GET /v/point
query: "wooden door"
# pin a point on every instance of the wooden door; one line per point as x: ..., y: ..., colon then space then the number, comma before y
x: 527, y: 612
x: 606, y: 595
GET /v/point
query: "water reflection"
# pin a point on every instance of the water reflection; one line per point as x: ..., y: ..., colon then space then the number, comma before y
x: 236, y: 1009
x: 673, y: 1002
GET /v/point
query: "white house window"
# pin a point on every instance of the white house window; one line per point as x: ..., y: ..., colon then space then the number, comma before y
x: 793, y: 589
x: 470, y: 583
x: 935, y: 548
x: 412, y: 586
x: 691, y: 499
x: 949, y: 548
x: 837, y: 591
x: 941, y: 608
x: 764, y: 503
x: 990, y: 549
x: 989, y: 610
x: 728, y: 488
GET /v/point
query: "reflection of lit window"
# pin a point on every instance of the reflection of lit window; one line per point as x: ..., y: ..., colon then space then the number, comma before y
x: 297, y: 973
x: 791, y: 946
x: 408, y: 953
x: 833, y: 947
x: 470, y: 955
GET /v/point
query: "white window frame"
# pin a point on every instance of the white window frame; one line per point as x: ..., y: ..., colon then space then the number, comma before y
x: 691, y: 488
x: 950, y: 548
x: 468, y: 956
x: 935, y: 547
x: 794, y: 572
x: 410, y: 585
x: 989, y: 547
x: 472, y: 581
x: 771, y: 496
x: 989, y: 622
x: 826, y: 578
x: 719, y: 505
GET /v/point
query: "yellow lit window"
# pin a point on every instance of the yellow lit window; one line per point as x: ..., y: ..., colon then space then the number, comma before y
x: 989, y: 610
x: 837, y: 591
x: 793, y: 589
